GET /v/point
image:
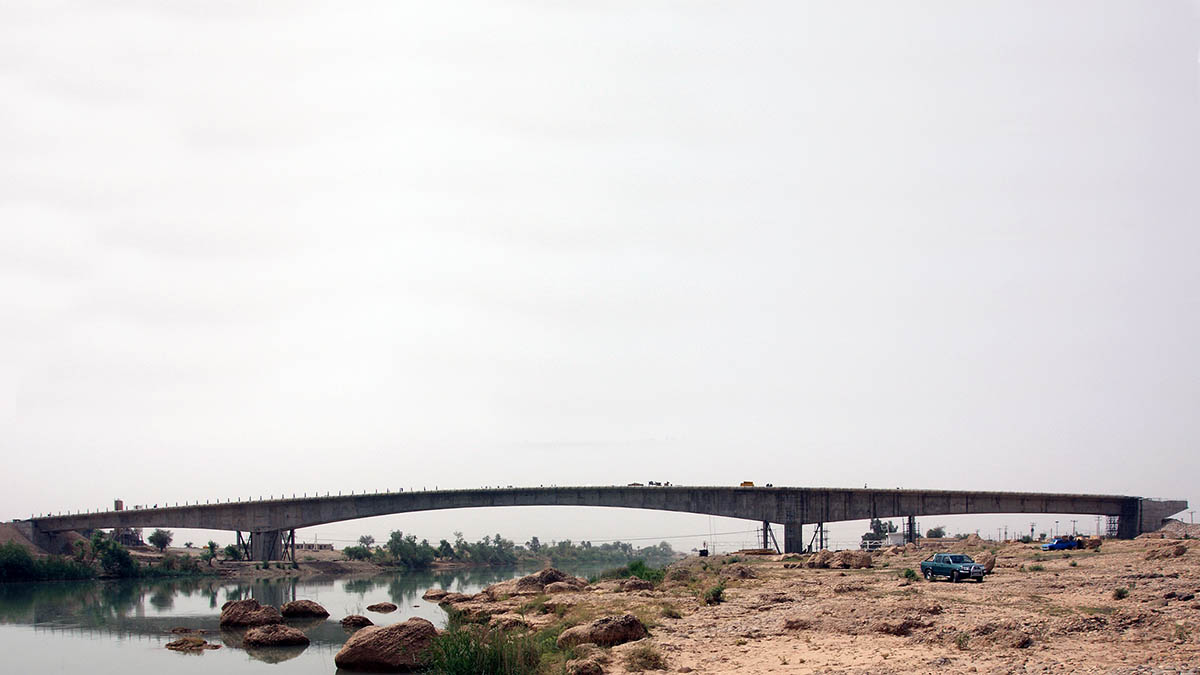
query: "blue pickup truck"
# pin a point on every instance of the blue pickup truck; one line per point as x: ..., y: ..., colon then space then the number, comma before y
x: 954, y: 566
x: 1061, y: 544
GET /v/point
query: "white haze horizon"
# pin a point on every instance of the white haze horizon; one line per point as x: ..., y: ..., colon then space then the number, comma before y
x: 315, y: 247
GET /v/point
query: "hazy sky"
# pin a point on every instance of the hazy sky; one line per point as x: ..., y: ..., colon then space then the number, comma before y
x: 264, y: 248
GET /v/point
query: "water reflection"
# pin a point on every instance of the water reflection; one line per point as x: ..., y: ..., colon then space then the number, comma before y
x: 146, y: 612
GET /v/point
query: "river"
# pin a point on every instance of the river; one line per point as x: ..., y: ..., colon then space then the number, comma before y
x: 121, y: 627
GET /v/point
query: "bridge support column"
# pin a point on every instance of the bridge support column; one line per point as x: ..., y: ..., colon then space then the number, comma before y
x: 793, y: 537
x: 266, y: 545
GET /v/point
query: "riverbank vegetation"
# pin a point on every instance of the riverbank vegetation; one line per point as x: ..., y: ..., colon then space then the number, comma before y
x: 406, y: 551
x: 93, y: 558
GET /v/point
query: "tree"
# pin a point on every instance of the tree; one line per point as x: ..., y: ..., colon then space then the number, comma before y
x: 187, y: 544
x: 232, y: 552
x: 936, y: 532
x: 445, y: 550
x: 533, y: 545
x: 210, y: 552
x: 161, y: 539
x: 366, y: 541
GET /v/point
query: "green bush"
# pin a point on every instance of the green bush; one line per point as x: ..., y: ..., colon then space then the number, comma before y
x: 1036, y: 568
x: 961, y: 640
x: 1120, y: 593
x: 357, y: 552
x: 714, y: 595
x: 909, y: 574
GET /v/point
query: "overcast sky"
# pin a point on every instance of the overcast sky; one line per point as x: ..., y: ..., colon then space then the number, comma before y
x: 264, y: 248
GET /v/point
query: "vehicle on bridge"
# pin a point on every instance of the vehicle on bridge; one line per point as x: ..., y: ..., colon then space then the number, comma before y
x: 747, y: 483
x: 954, y: 566
x: 1061, y: 544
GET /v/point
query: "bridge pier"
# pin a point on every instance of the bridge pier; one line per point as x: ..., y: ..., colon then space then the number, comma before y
x: 793, y: 537
x: 266, y: 545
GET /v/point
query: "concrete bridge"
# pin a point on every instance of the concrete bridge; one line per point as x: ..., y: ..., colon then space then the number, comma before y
x: 271, y: 521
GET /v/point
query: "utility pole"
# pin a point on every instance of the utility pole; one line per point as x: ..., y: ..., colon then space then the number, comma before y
x: 1074, y: 531
x: 1192, y: 517
x: 1031, y: 526
x: 1056, y: 528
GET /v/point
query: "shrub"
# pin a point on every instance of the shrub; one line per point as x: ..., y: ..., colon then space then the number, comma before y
x: 644, y: 657
x: 1120, y: 593
x: 961, y: 640
x: 909, y: 574
x: 357, y: 552
x: 714, y: 595
x: 232, y: 552
x: 1036, y: 568
x: 670, y: 611
x: 1074, y: 563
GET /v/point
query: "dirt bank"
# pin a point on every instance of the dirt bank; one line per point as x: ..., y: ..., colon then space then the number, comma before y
x: 1037, y: 611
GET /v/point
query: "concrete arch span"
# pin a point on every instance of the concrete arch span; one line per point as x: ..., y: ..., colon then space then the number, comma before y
x: 791, y: 506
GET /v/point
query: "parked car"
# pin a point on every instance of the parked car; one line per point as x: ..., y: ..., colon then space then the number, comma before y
x: 954, y: 566
x: 1061, y: 544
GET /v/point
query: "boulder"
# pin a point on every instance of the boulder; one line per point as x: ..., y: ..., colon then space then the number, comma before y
x: 507, y: 622
x: 303, y: 609
x: 559, y: 587
x: 382, y: 607
x: 248, y: 613
x: 274, y: 635
x: 987, y: 560
x: 395, y: 648
x: 851, y: 560
x: 356, y: 621
x: 1092, y: 543
x: 190, y: 644
x: 636, y: 584
x: 529, y: 585
x: 451, y: 598
x: 608, y: 631
x: 435, y: 594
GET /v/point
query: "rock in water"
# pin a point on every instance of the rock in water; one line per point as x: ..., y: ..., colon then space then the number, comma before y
x: 395, y: 648
x: 382, y: 607
x: 609, y: 631
x: 191, y: 644
x: 249, y: 613
x: 356, y: 621
x: 274, y: 635
x: 303, y: 608
x: 435, y: 594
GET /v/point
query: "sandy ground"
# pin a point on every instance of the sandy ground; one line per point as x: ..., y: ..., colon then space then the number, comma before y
x: 1037, y: 612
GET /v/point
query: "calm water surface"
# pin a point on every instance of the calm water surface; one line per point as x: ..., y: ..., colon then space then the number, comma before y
x: 121, y: 627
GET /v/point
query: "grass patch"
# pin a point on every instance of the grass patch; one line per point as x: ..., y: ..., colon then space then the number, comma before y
x: 637, y: 568
x: 474, y: 650
x: 670, y: 611
x: 1120, y: 593
x: 1097, y: 610
x: 1036, y: 568
x: 962, y: 641
x: 536, y: 605
x: 909, y: 574
x: 645, y: 657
